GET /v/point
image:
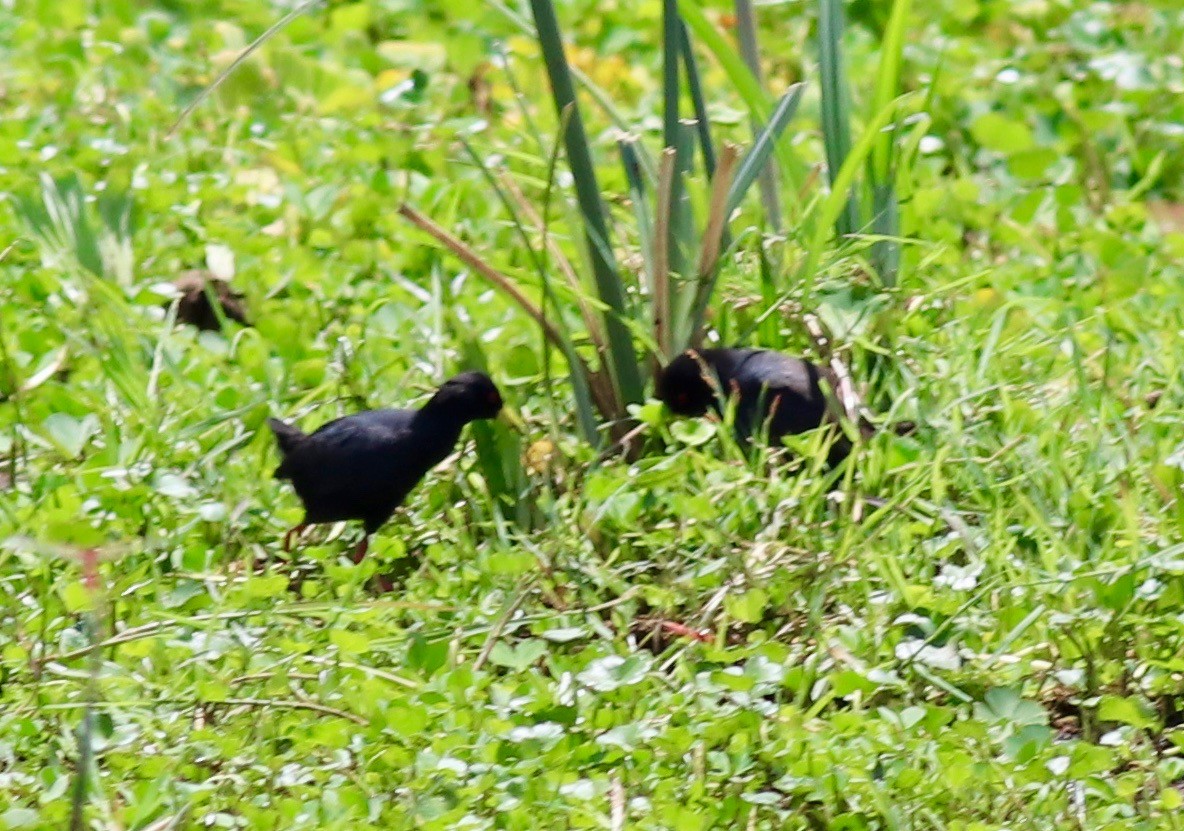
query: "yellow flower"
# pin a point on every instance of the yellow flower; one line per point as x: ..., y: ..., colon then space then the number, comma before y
x: 538, y: 456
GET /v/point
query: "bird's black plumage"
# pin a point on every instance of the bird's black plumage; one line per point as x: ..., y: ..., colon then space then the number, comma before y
x: 361, y: 467
x: 775, y: 392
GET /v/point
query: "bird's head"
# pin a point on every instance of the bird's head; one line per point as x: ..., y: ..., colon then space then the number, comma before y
x: 685, y: 387
x: 472, y: 395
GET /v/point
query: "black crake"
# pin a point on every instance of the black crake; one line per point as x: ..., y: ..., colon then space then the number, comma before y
x: 776, y: 392
x: 361, y: 467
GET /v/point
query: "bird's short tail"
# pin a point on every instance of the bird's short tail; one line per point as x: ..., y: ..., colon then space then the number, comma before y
x: 288, y: 438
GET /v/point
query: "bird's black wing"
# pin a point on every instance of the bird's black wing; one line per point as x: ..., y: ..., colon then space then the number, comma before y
x: 358, y: 467
x: 387, y: 419
x: 769, y: 380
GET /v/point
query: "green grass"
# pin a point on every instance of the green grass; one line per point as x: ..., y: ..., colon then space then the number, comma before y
x: 998, y: 647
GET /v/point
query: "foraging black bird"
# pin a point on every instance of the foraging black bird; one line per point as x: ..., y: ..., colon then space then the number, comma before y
x: 774, y: 391
x: 363, y: 466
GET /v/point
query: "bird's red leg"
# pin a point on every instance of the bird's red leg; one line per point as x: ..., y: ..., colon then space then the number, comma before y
x: 683, y: 631
x: 381, y: 581
x: 383, y: 584
x: 361, y: 549
x: 293, y: 532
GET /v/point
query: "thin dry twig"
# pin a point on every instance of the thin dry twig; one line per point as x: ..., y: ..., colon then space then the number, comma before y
x: 660, y: 290
x: 717, y: 216
x: 286, y: 704
x: 86, y: 748
x: 848, y: 396
x: 591, y: 320
x: 500, y: 625
x: 616, y: 801
x: 147, y: 630
x: 137, y: 632
x: 374, y: 672
x: 470, y: 258
x: 266, y: 676
x: 624, y: 444
x: 169, y: 823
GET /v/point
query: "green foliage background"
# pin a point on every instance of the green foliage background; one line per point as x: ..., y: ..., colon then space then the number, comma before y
x: 1001, y: 646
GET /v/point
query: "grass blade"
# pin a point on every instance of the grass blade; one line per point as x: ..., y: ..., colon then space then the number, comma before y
x: 623, y: 363
x: 828, y: 210
x: 769, y: 328
x: 836, y: 103
x: 520, y: 101
x: 674, y: 135
x: 582, y: 385
x: 836, y: 201
x: 514, y: 201
x: 583, y: 380
x: 712, y: 241
x: 746, y: 30
x: 762, y: 149
x: 591, y: 321
x: 271, y: 32
x: 886, y: 226
x: 660, y: 288
x: 702, y: 122
x: 746, y: 85
x: 741, y: 77
x: 683, y: 239
x: 887, y: 86
x: 695, y: 87
x: 60, y: 222
x: 886, y: 216
x: 591, y: 87
x: 645, y: 231
x: 671, y: 49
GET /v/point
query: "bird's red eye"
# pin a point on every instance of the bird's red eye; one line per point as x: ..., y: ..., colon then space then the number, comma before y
x: 683, y: 398
x: 494, y: 398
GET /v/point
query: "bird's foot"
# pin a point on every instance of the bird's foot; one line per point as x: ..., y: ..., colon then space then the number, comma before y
x: 380, y: 583
x: 361, y: 549
x: 392, y: 576
x: 383, y: 584
x: 293, y: 532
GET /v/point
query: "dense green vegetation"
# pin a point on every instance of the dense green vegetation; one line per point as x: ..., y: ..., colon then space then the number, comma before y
x: 1000, y: 645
